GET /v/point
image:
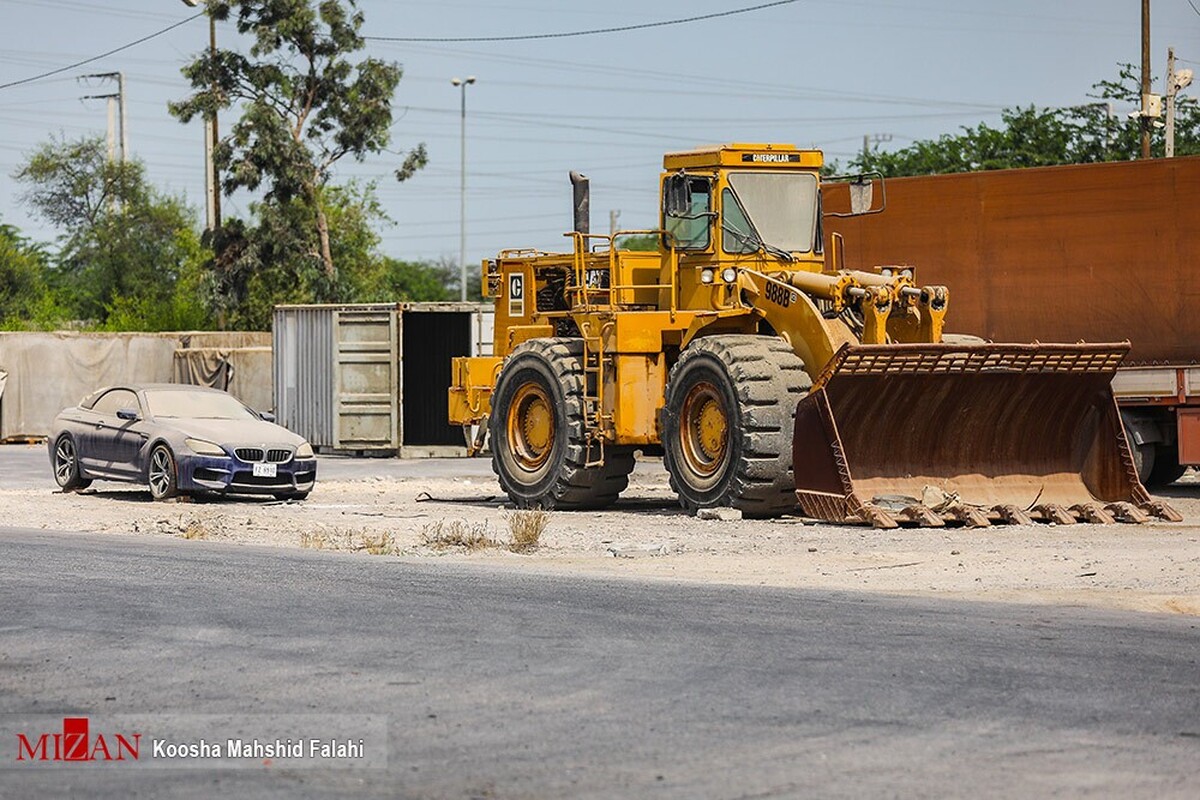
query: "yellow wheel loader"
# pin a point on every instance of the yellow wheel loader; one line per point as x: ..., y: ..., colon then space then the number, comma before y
x: 766, y: 374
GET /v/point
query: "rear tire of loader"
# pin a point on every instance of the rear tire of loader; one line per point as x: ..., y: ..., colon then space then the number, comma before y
x: 728, y: 424
x: 537, y: 431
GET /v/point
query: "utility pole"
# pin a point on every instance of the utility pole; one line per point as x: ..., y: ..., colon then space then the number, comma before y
x: 1176, y: 81
x: 1145, y: 117
x: 212, y: 137
x: 873, y: 138
x: 613, y: 216
x: 116, y: 104
x: 462, y: 184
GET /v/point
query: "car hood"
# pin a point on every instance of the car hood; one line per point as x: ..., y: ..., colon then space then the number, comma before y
x: 234, y: 431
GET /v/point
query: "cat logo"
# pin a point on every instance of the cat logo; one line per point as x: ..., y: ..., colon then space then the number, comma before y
x: 516, y: 294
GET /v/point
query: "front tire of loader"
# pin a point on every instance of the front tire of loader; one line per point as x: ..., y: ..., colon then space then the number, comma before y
x: 537, y: 432
x: 728, y: 424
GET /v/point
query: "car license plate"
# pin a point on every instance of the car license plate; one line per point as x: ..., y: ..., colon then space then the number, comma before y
x: 265, y: 470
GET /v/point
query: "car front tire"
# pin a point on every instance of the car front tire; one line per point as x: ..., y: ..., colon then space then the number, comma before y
x: 162, y: 474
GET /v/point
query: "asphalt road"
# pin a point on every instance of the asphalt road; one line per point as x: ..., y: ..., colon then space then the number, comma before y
x: 499, y: 684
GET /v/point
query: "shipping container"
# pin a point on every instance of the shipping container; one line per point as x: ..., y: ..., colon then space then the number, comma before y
x: 372, y: 379
x: 1091, y: 252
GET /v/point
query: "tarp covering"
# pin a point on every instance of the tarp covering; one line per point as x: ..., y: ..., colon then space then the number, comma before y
x: 244, y: 372
x: 50, y: 371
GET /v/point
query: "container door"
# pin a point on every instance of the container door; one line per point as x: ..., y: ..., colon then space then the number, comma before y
x: 431, y: 340
x: 366, y: 389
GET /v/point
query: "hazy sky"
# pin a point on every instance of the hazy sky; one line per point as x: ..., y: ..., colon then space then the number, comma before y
x: 815, y: 72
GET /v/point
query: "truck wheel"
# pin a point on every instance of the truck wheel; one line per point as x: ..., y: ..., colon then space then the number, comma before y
x: 1143, y: 460
x: 539, y: 448
x: 728, y: 424
x: 1167, y: 468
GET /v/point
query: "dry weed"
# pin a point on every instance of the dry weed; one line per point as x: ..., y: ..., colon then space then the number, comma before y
x: 526, y: 528
x: 442, y: 535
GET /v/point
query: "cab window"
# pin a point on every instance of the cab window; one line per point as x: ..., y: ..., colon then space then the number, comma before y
x: 691, y: 231
x: 737, y: 235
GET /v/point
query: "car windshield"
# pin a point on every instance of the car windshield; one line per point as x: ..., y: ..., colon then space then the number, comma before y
x: 175, y: 404
x: 782, y: 206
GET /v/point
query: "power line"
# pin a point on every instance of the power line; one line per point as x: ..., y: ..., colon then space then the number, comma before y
x: 102, y: 55
x: 592, y: 32
x: 1193, y: 5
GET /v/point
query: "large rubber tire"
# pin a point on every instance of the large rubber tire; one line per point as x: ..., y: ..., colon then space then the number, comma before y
x: 749, y: 386
x: 162, y: 474
x: 537, y: 429
x: 1143, y: 460
x: 66, y: 465
x: 1166, y: 469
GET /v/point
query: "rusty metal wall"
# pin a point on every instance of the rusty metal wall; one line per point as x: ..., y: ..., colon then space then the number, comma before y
x: 1095, y: 252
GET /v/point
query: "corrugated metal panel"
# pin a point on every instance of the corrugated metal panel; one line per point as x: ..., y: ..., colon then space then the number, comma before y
x: 1099, y: 252
x: 302, y: 341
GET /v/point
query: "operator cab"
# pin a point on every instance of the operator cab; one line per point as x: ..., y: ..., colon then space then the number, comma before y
x: 766, y: 199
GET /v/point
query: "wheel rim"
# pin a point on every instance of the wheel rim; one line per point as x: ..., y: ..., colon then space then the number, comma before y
x: 531, y: 427
x: 704, y: 430
x: 64, y: 461
x: 160, y: 472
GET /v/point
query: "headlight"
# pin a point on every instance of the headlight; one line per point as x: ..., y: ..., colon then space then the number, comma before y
x: 204, y: 448
x: 706, y: 275
x: 906, y: 273
x: 886, y: 272
x: 729, y: 275
x: 304, y: 451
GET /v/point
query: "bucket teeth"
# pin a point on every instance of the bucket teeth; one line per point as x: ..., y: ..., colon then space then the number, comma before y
x: 1128, y: 512
x: 1163, y: 511
x: 971, y: 517
x: 1094, y: 513
x: 1053, y: 512
x: 1013, y: 515
x: 922, y: 515
x: 879, y: 518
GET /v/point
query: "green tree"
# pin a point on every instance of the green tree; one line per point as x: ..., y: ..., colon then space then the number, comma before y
x: 1033, y: 137
x: 126, y: 251
x: 638, y: 241
x: 24, y: 294
x: 304, y: 105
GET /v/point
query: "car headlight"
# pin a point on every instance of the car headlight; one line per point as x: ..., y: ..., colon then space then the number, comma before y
x: 706, y: 275
x: 204, y: 448
x: 729, y: 275
x: 304, y: 451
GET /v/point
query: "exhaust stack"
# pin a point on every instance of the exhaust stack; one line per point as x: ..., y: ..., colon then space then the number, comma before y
x: 581, y: 200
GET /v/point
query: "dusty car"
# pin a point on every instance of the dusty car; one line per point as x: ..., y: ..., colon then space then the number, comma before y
x: 179, y: 440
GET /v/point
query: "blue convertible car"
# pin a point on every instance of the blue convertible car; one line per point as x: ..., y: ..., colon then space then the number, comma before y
x: 179, y: 439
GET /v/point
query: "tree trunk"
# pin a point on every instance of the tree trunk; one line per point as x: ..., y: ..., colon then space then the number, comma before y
x: 323, y: 235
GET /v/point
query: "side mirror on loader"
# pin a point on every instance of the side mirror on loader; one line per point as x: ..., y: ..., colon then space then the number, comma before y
x: 678, y: 199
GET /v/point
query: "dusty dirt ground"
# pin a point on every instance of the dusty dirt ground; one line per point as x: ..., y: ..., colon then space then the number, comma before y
x: 1153, y: 567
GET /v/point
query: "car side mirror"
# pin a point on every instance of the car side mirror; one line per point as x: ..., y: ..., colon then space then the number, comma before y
x: 267, y: 415
x: 127, y: 413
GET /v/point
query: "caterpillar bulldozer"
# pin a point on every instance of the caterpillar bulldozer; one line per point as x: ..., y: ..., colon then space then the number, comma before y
x: 767, y: 375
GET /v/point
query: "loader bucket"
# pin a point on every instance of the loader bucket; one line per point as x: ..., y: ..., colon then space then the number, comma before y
x: 928, y: 434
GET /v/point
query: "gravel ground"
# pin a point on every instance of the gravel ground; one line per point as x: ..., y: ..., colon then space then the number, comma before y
x: 408, y: 510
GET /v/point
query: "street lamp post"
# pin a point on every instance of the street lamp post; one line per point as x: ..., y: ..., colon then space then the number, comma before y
x: 212, y: 177
x: 462, y: 205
